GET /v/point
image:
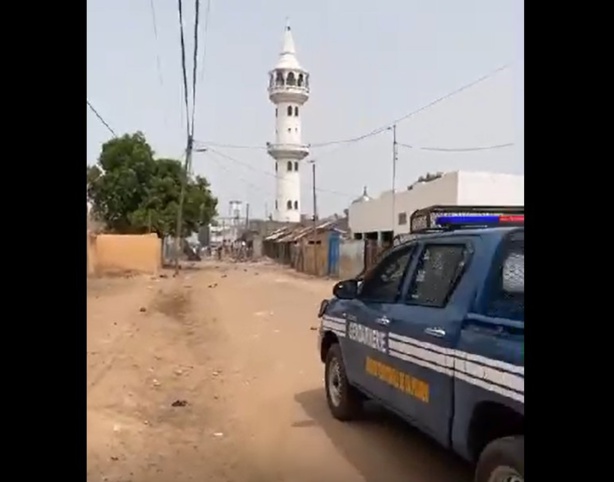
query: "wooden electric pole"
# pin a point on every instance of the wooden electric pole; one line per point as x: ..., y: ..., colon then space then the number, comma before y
x: 395, y: 155
x: 315, y: 215
x: 184, y: 181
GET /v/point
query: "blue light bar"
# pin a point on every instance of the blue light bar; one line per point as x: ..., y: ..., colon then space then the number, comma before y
x: 479, y: 220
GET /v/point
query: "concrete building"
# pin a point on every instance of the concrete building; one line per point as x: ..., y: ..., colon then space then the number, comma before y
x: 373, y: 218
x: 288, y: 90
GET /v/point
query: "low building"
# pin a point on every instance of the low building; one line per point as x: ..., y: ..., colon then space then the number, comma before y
x: 387, y: 215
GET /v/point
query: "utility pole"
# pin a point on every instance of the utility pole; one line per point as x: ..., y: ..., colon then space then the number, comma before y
x: 395, y: 155
x: 315, y: 215
x: 247, y: 216
x: 184, y: 181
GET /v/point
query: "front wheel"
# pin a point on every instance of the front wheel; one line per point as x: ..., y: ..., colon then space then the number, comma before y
x: 502, y: 461
x: 344, y: 401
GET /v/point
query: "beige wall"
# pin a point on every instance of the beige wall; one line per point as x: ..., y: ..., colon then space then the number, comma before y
x: 123, y: 252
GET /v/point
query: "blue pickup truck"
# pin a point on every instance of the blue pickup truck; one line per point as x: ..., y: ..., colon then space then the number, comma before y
x: 435, y: 333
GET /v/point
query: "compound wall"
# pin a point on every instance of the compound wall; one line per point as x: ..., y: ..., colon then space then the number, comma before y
x: 124, y: 252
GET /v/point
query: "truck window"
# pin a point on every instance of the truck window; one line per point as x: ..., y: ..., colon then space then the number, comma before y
x: 382, y: 283
x: 507, y: 294
x: 436, y: 275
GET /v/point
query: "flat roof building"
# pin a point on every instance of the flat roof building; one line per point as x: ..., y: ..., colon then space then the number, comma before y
x: 384, y: 216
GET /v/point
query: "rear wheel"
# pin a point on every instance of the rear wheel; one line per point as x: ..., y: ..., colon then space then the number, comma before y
x: 502, y: 461
x: 344, y: 401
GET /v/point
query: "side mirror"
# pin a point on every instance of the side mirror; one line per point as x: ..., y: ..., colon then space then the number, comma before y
x: 513, y: 274
x: 346, y: 290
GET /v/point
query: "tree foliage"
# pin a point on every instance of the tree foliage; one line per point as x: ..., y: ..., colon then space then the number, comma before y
x: 132, y: 192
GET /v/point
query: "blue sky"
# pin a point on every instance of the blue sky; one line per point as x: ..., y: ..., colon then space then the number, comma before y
x: 370, y: 63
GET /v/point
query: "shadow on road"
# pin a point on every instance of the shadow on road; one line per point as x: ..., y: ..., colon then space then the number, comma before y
x: 381, y: 443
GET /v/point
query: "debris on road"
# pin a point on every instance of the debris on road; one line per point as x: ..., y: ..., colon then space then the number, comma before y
x: 313, y: 328
x: 142, y: 309
x: 179, y: 403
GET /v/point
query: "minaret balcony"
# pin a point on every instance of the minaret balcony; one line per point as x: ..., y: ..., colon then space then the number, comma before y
x: 288, y: 151
x: 288, y: 93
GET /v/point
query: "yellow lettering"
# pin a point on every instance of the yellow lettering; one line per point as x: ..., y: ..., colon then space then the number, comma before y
x: 397, y: 379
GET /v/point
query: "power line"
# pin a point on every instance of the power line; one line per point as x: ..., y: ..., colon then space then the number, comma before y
x: 205, y: 31
x: 268, y: 173
x: 225, y: 168
x: 458, y: 149
x: 230, y: 146
x: 155, y: 31
x: 382, y: 129
x: 417, y: 111
x: 101, y: 119
x: 195, y: 63
x: 183, y: 65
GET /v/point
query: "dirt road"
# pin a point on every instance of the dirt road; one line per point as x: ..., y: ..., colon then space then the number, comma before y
x: 214, y: 376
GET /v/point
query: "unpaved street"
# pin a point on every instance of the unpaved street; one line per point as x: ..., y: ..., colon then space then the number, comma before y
x: 214, y: 376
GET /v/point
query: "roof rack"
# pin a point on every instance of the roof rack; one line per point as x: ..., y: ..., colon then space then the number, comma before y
x: 446, y: 218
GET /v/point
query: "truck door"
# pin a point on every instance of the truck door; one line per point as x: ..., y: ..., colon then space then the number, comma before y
x: 489, y: 366
x: 366, y: 346
x: 427, y: 324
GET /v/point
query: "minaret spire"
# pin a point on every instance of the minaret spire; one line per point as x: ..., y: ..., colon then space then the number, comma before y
x: 287, y: 57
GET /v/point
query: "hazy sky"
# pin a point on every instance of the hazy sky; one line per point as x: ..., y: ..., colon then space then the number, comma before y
x: 370, y: 63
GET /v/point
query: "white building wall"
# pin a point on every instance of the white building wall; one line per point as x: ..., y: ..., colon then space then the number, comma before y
x: 485, y: 188
x: 376, y: 214
x: 454, y: 188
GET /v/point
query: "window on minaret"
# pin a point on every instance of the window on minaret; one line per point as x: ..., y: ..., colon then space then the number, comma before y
x: 275, y: 167
x: 296, y: 165
x: 289, y: 111
x: 296, y: 111
x: 295, y: 204
x: 291, y: 80
x: 300, y: 80
x: 289, y: 204
x: 276, y: 112
x: 279, y: 78
x: 276, y: 204
x: 289, y: 165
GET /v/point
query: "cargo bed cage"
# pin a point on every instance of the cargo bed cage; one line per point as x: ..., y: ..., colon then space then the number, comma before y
x: 440, y: 218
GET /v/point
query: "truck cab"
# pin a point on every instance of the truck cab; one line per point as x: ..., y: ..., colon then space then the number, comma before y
x: 435, y: 333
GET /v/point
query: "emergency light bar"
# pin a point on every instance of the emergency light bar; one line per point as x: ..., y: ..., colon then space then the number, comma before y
x: 438, y: 218
x: 488, y: 220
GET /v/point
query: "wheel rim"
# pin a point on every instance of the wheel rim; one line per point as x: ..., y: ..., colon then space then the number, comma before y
x: 334, y: 382
x: 505, y: 474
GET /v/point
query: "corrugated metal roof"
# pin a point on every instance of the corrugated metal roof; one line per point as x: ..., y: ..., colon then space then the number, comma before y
x: 278, y: 233
x: 291, y: 236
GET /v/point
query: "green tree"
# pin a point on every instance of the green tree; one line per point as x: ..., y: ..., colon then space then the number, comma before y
x: 132, y: 192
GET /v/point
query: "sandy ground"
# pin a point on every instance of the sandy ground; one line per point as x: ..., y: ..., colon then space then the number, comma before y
x: 214, y: 376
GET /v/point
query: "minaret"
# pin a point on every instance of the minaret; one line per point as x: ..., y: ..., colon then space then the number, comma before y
x: 288, y: 90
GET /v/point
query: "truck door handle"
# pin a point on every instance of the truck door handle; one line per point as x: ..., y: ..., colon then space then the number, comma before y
x: 382, y: 321
x: 436, y: 332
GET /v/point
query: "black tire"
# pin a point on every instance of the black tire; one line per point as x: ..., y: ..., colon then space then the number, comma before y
x: 350, y: 400
x: 501, y: 453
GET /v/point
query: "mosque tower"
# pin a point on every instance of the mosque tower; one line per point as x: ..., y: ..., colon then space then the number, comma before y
x: 288, y: 90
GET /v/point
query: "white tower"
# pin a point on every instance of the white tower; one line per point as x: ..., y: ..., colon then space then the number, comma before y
x: 288, y: 90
